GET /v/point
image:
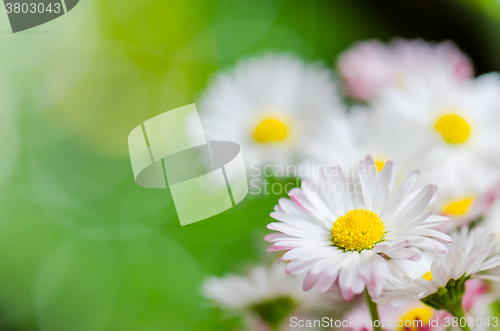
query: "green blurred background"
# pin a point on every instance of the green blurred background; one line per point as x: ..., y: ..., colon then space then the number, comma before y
x: 82, y: 247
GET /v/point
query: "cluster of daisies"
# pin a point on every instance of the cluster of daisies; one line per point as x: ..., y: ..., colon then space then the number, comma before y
x: 397, y: 216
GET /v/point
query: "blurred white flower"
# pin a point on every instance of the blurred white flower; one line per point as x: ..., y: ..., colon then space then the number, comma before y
x: 268, y: 295
x: 369, y: 67
x: 469, y: 254
x: 269, y: 105
x: 385, y: 136
x: 482, y: 207
x: 347, y: 227
x: 462, y: 118
x: 366, y: 68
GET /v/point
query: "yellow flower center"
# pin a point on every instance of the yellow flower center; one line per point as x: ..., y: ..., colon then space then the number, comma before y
x: 459, y: 207
x: 427, y: 276
x: 358, y: 230
x: 455, y: 130
x: 270, y: 130
x: 380, y: 165
x: 415, y: 319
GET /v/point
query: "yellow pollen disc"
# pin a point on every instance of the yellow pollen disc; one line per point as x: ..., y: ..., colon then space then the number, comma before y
x: 270, y: 130
x: 358, y: 230
x: 455, y: 130
x: 416, y: 319
x: 380, y: 165
x: 427, y: 276
x: 459, y: 207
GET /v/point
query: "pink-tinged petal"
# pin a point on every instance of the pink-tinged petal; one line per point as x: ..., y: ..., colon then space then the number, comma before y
x: 350, y: 282
x: 432, y: 233
x: 384, y: 247
x: 431, y: 245
x: 325, y: 282
x: 296, y: 267
x: 405, y: 254
x: 275, y: 236
x: 298, y: 202
x: 373, y: 268
x: 309, y: 281
x: 295, y: 253
x: 291, y: 207
x: 311, y: 253
x: 291, y: 230
x: 312, y: 191
x: 348, y: 294
x: 274, y: 248
x: 300, y: 199
x: 375, y: 289
x: 297, y: 222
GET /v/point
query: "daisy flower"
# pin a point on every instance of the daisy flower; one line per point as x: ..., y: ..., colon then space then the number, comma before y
x: 477, y: 207
x: 369, y: 67
x: 443, y: 286
x: 268, y: 105
x: 462, y: 118
x: 267, y: 295
x: 348, y: 226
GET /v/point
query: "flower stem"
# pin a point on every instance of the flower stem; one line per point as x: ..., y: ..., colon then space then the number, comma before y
x: 458, y: 312
x: 374, y: 312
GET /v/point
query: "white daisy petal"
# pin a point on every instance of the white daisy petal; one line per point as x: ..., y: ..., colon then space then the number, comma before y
x: 404, y: 254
